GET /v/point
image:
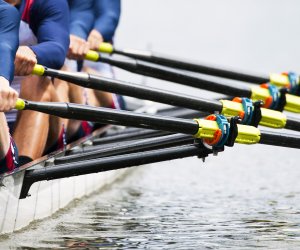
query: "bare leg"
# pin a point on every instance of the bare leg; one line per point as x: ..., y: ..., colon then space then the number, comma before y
x: 96, y: 97
x: 75, y: 96
x: 56, y: 123
x: 32, y: 127
x: 4, y: 136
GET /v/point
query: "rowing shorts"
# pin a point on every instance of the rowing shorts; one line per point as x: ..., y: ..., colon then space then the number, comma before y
x: 10, y: 161
x: 85, y: 129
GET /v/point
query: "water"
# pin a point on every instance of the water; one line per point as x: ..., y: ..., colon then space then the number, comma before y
x: 247, y: 197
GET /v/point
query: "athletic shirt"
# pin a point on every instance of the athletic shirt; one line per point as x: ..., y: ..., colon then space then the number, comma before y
x: 44, y: 28
x: 81, y: 17
x: 107, y: 14
x: 102, y: 15
x: 9, y: 27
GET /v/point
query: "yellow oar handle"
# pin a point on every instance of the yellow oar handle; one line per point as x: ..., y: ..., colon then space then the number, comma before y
x: 38, y: 70
x: 106, y: 48
x: 20, y: 104
x: 92, y: 56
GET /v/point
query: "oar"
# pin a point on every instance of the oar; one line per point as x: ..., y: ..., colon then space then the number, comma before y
x: 291, y: 102
x: 129, y: 147
x: 199, y: 128
x: 270, y: 118
x: 280, y: 80
x: 121, y: 161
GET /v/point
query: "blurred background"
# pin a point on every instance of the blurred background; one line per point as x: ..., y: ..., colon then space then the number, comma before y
x: 247, y: 196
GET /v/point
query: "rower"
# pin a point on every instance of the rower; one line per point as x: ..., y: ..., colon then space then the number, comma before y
x: 44, y: 38
x: 107, y: 14
x: 9, y: 27
x: 81, y: 19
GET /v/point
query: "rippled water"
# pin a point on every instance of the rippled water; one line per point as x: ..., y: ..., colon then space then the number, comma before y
x: 185, y: 204
x: 246, y: 197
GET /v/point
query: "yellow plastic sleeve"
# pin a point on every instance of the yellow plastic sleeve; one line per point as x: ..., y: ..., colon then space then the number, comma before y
x: 279, y: 80
x: 38, y: 70
x: 292, y: 103
x: 20, y: 104
x: 92, y: 56
x: 247, y: 134
x: 106, y: 48
x: 207, y: 129
x: 272, y: 118
x: 259, y: 93
x: 231, y: 108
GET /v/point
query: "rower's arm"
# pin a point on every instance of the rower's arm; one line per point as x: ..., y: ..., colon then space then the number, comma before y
x: 51, y: 26
x: 9, y: 39
x: 107, y: 15
x: 81, y: 17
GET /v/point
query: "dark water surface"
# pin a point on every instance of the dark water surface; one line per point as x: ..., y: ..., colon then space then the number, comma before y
x: 247, y: 197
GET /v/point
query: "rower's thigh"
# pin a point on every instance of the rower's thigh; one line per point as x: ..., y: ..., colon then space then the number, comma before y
x: 36, y: 88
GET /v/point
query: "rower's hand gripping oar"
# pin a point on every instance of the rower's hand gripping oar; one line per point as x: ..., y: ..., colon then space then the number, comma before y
x: 289, y: 80
x: 272, y: 97
x: 215, y: 130
x: 266, y: 117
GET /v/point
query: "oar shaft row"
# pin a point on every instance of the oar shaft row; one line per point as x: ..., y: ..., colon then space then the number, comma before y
x: 130, y: 147
x: 270, y: 95
x: 136, y: 90
x: 270, y: 117
x: 191, y: 66
x: 176, y: 76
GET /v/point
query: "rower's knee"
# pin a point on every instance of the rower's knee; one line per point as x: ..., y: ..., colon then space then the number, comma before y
x: 36, y: 88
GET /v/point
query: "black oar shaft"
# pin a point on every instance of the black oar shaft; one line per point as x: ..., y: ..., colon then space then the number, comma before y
x: 192, y: 66
x: 279, y: 139
x: 116, y: 117
x: 176, y: 76
x: 142, y: 134
x: 129, y: 147
x: 136, y: 90
x: 109, y: 163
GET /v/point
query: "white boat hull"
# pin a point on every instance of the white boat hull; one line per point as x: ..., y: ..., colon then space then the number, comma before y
x: 46, y: 197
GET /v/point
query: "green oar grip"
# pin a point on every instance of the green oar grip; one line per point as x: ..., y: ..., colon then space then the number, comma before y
x: 20, y: 104
x: 92, y: 56
x: 106, y: 48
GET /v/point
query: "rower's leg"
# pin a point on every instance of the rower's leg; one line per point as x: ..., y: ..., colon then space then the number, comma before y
x: 96, y: 97
x: 58, y: 93
x: 8, y: 150
x: 76, y: 95
x: 31, y: 130
x: 4, y: 136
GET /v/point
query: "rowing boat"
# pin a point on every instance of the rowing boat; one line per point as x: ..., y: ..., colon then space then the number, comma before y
x: 47, y: 197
